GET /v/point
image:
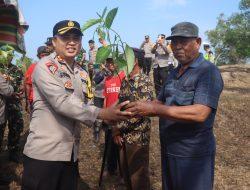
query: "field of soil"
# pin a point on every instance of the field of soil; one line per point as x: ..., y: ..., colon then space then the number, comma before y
x: 231, y: 129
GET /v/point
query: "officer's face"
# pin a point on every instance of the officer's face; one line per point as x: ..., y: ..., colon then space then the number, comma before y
x: 185, y: 49
x: 67, y: 46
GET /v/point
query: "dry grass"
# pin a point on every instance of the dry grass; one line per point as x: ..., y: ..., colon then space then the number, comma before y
x: 231, y: 129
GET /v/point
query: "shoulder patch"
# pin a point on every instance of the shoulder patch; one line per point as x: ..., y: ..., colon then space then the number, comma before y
x: 52, y: 67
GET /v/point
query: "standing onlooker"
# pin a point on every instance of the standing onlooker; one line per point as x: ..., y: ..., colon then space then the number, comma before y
x: 135, y: 132
x: 100, y: 75
x: 49, y: 44
x: 14, y: 116
x: 161, y: 67
x: 147, y: 46
x: 6, y: 90
x: 187, y: 106
x: 92, y: 56
x: 42, y: 51
x: 112, y: 86
x: 208, y: 53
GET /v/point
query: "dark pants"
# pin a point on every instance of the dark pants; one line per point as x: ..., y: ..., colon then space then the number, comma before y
x: 98, y: 102
x: 147, y: 65
x: 186, y: 173
x: 138, y: 163
x: 160, y: 75
x: 49, y: 175
x: 15, y: 125
x: 112, y: 152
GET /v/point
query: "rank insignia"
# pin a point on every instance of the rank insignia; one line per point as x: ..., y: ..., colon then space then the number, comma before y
x: 71, y: 24
x: 83, y: 75
x: 68, y: 84
x: 52, y: 67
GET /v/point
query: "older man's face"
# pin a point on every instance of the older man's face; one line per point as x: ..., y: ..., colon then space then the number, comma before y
x: 185, y: 49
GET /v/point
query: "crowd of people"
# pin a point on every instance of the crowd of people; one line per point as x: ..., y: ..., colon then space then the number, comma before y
x: 62, y: 92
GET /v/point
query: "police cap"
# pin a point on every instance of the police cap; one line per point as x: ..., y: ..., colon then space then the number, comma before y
x: 65, y: 26
x: 49, y: 41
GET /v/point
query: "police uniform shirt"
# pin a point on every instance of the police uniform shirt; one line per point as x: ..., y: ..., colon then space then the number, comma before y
x: 147, y: 47
x: 60, y: 104
x: 161, y: 57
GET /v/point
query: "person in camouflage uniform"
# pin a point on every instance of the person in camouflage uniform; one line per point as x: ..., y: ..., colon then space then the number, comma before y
x: 14, y: 117
x: 135, y: 132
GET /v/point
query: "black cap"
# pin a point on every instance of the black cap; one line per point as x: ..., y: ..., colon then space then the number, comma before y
x: 162, y: 35
x: 147, y: 37
x: 49, y: 41
x: 42, y: 49
x: 139, y: 53
x: 184, y: 29
x: 91, y: 41
x: 66, y: 25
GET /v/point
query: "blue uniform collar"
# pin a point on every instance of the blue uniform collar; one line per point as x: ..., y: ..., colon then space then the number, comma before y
x: 197, y: 61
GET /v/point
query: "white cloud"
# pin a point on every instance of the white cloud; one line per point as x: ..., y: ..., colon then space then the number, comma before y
x: 155, y: 4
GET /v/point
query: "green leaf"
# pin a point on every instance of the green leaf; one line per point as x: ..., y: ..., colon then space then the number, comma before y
x: 130, y: 58
x: 110, y: 17
x: 3, y: 54
x: 90, y: 23
x: 104, y: 12
x: 122, y: 65
x: 102, y: 54
x: 101, y: 33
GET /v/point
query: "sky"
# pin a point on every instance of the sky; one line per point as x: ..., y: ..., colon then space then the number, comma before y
x: 134, y: 20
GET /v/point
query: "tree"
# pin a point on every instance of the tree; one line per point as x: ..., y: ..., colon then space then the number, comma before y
x: 231, y: 37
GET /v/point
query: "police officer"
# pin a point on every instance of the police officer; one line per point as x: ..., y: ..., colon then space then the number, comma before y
x: 14, y: 110
x: 60, y: 104
x: 146, y: 46
x: 187, y: 107
x: 161, y: 67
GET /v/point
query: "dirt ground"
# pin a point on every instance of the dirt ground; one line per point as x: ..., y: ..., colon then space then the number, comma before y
x: 231, y: 129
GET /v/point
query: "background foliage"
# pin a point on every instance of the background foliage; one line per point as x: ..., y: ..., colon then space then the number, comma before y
x: 231, y: 37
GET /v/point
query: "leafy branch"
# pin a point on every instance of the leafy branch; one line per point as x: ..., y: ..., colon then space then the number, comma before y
x: 119, y: 50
